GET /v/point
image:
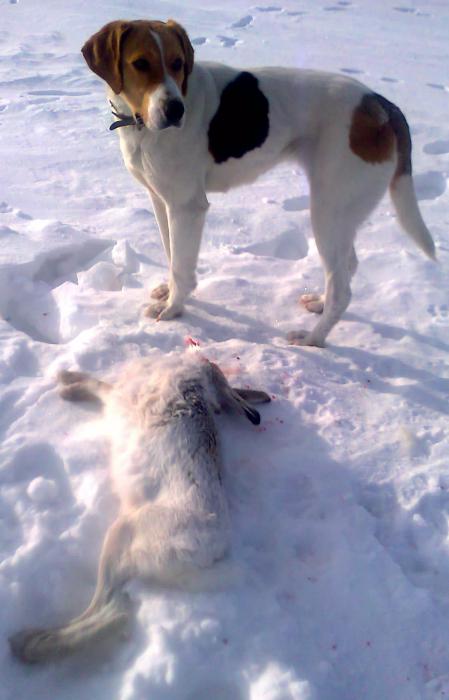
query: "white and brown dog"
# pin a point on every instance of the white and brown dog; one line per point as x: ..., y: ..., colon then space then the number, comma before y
x: 189, y: 129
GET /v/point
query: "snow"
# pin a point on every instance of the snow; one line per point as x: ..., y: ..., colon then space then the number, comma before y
x: 337, y: 585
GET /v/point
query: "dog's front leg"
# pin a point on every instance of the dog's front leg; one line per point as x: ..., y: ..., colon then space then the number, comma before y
x: 160, y: 211
x: 186, y: 226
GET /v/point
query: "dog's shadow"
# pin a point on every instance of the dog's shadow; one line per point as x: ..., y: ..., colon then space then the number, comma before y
x: 229, y: 323
x: 393, y: 375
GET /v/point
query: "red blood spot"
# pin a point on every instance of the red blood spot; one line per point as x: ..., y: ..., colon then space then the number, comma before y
x: 237, y: 357
x: 273, y: 397
x: 191, y: 341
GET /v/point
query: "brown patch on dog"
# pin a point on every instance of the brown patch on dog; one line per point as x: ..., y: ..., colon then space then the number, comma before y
x: 187, y: 50
x: 102, y: 53
x: 371, y: 136
x: 112, y: 52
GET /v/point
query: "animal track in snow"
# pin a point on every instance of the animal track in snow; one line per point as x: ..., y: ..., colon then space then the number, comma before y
x: 405, y: 9
x: 296, y: 203
x: 227, y: 41
x: 439, y: 313
x: 58, y: 93
x: 268, y: 8
x: 351, y: 71
x: 429, y: 185
x: 437, y: 86
x: 199, y: 40
x: 243, y: 22
x: 439, y: 147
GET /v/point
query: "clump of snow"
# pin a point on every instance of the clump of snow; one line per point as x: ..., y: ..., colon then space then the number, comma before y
x: 42, y: 491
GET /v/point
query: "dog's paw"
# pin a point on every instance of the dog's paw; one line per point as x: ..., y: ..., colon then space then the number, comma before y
x: 153, y: 310
x: 161, y: 292
x: 303, y: 338
x: 170, y: 311
x: 312, y: 302
x: 162, y: 311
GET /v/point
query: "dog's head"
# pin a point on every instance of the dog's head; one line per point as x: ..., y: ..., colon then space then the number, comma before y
x: 148, y: 64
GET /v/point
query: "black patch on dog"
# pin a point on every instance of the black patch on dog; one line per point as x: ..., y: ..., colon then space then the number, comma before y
x: 241, y: 122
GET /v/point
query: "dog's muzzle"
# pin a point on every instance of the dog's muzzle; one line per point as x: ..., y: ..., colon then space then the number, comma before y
x: 173, y: 112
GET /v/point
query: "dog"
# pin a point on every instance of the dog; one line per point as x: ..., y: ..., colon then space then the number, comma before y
x: 167, y: 473
x: 190, y: 128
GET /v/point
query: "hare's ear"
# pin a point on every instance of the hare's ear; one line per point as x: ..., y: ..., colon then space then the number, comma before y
x: 102, y: 53
x: 252, y: 395
x: 243, y: 407
x: 231, y: 399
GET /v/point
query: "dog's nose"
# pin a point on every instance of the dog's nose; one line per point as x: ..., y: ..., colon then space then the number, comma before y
x: 174, y: 111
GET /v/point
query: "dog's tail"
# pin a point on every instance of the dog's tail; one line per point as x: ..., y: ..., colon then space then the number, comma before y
x: 105, y: 617
x: 402, y: 189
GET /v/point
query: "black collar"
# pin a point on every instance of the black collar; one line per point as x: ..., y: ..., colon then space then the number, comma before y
x: 125, y: 119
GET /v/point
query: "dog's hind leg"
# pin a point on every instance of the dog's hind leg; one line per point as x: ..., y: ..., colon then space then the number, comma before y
x: 315, y: 302
x: 343, y: 192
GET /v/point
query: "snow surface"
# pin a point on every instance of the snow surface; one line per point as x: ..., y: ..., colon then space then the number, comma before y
x: 338, y: 583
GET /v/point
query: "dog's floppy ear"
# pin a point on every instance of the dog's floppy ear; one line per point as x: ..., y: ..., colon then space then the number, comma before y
x: 187, y: 50
x: 102, y: 53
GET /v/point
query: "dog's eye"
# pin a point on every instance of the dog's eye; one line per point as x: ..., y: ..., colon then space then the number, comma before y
x: 141, y: 64
x: 177, y: 64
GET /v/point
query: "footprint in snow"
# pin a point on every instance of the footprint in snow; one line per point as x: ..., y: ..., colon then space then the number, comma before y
x: 437, y: 86
x: 405, y: 9
x: 437, y: 147
x: 227, y: 41
x: 199, y: 40
x: 296, y: 203
x: 269, y: 8
x: 351, y: 71
x: 439, y: 313
x: 429, y: 185
x: 58, y: 93
x: 243, y: 22
x: 386, y: 79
